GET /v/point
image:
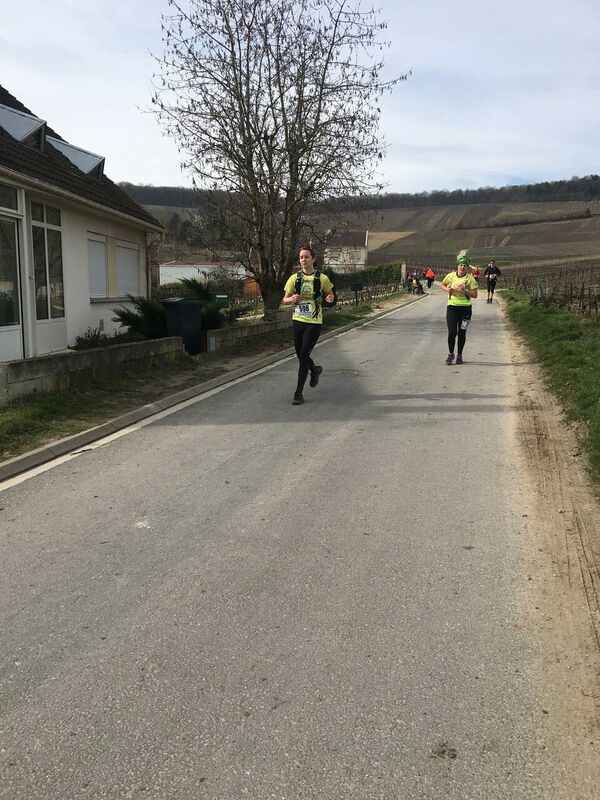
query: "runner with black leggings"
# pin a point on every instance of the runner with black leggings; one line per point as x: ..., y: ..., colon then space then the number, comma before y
x: 307, y: 319
x: 492, y: 273
x: 461, y: 288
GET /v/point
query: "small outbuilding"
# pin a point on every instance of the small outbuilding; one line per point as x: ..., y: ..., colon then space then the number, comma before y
x: 346, y: 251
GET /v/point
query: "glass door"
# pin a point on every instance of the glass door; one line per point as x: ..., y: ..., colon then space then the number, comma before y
x: 11, y: 339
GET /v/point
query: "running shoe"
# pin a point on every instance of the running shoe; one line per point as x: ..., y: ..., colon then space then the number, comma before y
x: 298, y: 399
x: 459, y: 359
x: 314, y: 377
x: 450, y: 358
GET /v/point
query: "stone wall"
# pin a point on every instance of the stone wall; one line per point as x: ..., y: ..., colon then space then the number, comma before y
x: 76, y: 369
x: 215, y: 339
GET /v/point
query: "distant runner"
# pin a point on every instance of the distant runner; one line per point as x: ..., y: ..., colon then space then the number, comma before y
x: 461, y: 288
x: 492, y: 273
x: 306, y: 290
x: 430, y: 275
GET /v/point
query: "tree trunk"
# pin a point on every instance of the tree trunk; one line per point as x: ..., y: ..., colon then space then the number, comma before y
x: 272, y: 300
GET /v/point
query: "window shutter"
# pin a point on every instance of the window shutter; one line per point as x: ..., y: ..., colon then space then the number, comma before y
x: 97, y: 267
x: 128, y: 273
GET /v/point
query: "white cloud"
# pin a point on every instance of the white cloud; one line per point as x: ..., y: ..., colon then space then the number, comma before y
x: 500, y: 91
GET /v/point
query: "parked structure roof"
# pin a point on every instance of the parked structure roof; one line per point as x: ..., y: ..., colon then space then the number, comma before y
x: 52, y: 167
x: 200, y: 261
x: 347, y: 239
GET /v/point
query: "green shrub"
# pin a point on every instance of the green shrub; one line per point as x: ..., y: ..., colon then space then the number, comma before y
x: 200, y: 290
x: 195, y: 289
x: 211, y: 317
x: 528, y: 217
x: 241, y: 309
x: 191, y: 288
x: 94, y: 337
x: 167, y: 290
x: 148, y: 319
x: 382, y: 274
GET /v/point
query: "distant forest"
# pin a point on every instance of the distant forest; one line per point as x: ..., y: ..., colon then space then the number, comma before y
x: 587, y: 188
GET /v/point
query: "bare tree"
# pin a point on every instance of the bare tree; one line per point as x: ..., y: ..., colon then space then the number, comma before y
x: 275, y: 103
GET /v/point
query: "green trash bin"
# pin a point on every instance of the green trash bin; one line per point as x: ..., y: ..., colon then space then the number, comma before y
x: 184, y: 318
x: 220, y: 299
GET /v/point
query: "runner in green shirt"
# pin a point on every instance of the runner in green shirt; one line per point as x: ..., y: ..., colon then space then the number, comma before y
x: 460, y: 287
x: 307, y: 319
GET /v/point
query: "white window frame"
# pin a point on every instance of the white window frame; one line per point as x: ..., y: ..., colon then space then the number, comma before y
x: 13, y: 212
x: 49, y: 226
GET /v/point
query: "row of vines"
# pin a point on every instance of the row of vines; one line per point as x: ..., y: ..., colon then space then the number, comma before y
x: 574, y: 286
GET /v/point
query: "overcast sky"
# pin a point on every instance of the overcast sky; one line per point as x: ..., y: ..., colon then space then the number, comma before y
x: 502, y: 91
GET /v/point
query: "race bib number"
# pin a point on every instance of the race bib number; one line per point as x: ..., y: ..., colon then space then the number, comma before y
x: 304, y: 309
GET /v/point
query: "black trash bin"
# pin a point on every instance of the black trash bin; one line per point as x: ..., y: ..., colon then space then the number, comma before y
x: 184, y: 318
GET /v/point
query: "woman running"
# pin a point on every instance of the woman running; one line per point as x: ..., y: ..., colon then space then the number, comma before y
x: 461, y: 288
x: 306, y: 290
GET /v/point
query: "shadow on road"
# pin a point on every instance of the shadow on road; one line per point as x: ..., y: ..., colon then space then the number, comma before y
x: 353, y: 385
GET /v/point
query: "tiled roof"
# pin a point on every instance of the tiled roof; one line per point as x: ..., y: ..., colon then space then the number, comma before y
x: 54, y: 169
x: 347, y: 239
x: 7, y: 99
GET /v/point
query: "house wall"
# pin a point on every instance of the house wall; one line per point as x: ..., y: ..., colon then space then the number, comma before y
x: 345, y: 259
x: 34, y: 337
x: 81, y: 311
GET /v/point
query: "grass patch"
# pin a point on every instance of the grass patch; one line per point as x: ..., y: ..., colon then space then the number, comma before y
x: 43, y: 417
x: 568, y: 347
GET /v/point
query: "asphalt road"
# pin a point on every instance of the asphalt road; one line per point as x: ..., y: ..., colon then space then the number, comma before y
x: 249, y: 599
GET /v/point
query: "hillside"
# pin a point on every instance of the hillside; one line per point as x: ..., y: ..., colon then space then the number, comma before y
x: 541, y: 230
x: 538, y: 231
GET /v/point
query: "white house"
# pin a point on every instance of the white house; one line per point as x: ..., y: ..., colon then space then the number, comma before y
x: 72, y: 243
x: 346, y: 251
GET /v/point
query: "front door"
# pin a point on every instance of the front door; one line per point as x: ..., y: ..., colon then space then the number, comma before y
x: 11, y: 333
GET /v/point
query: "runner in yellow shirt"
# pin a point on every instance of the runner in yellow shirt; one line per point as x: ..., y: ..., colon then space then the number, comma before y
x: 461, y: 288
x: 307, y: 319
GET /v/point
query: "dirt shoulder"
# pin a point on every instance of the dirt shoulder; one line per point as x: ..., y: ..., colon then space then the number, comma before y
x: 561, y: 548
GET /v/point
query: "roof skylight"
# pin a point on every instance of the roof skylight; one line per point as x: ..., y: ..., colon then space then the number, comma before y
x: 90, y: 163
x: 20, y: 125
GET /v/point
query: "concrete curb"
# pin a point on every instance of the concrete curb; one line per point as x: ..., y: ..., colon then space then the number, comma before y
x: 34, y: 458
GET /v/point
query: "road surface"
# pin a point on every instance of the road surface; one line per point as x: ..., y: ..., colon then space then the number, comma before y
x: 249, y: 599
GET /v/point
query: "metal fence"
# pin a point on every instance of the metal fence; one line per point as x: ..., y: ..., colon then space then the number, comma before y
x: 368, y: 294
x: 254, y: 306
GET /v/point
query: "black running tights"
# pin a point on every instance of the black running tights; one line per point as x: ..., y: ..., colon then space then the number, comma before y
x: 306, y: 335
x: 454, y: 317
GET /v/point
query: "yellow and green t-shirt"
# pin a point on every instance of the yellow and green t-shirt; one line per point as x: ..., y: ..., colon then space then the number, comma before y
x: 305, y: 309
x: 467, y: 282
